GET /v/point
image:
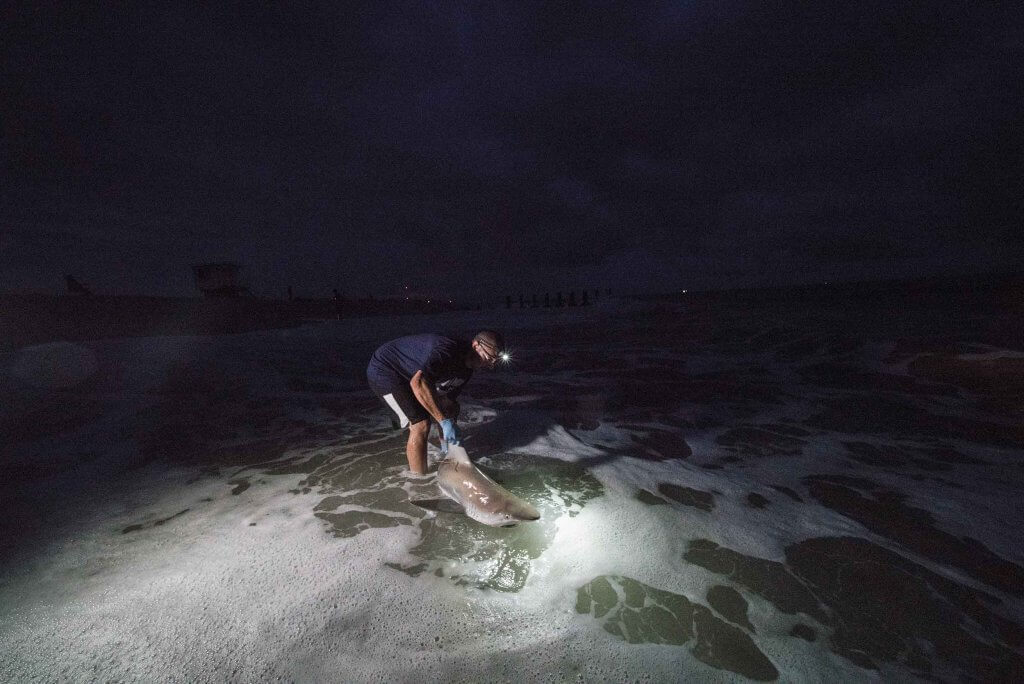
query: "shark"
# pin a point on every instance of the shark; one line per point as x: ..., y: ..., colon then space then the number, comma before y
x: 475, y: 494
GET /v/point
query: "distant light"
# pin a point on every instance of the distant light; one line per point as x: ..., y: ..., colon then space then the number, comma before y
x: 684, y: 291
x: 505, y: 357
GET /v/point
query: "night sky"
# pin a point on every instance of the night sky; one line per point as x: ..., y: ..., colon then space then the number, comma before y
x: 466, y: 148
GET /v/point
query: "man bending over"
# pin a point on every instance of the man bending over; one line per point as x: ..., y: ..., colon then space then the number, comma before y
x: 420, y: 377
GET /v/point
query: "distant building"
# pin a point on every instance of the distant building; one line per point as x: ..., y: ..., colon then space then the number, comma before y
x: 75, y: 287
x: 219, y: 280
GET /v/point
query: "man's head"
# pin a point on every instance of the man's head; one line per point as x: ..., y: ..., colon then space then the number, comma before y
x: 489, y: 348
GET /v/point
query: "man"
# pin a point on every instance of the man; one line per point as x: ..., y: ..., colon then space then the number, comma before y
x: 420, y: 376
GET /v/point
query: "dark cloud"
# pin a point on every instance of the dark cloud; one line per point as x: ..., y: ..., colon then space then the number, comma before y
x: 424, y: 142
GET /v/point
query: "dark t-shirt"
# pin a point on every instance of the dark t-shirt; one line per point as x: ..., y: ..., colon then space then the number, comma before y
x: 442, y: 360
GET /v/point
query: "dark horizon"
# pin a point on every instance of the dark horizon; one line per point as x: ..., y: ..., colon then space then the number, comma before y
x: 971, y: 281
x: 645, y: 147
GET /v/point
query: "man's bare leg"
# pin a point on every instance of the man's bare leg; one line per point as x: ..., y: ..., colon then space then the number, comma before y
x: 416, y: 447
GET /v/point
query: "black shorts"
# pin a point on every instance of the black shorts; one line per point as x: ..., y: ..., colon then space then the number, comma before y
x: 400, y: 399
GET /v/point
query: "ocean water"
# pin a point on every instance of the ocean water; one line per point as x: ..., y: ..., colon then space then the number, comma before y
x: 775, y: 491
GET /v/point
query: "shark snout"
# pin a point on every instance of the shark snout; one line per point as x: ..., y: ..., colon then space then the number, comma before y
x: 521, y: 511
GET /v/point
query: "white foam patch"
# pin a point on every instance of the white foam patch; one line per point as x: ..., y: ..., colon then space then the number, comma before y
x: 559, y: 443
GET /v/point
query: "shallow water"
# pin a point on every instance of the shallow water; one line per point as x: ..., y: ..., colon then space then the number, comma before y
x: 778, y: 492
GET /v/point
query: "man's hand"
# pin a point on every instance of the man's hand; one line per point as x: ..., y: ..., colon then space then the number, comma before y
x: 450, y: 433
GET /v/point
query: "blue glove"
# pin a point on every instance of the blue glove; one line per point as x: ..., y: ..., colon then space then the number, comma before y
x: 449, y: 432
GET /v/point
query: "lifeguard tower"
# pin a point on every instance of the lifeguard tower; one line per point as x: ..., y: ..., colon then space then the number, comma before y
x: 220, y: 280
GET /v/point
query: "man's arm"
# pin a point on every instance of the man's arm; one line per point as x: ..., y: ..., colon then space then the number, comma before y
x: 424, y: 393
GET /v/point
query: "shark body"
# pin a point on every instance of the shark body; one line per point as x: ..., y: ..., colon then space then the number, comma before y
x: 483, y: 499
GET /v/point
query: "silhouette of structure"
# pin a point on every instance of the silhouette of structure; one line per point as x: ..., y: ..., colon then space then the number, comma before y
x: 560, y: 299
x: 75, y: 287
x: 219, y: 280
x: 337, y: 304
